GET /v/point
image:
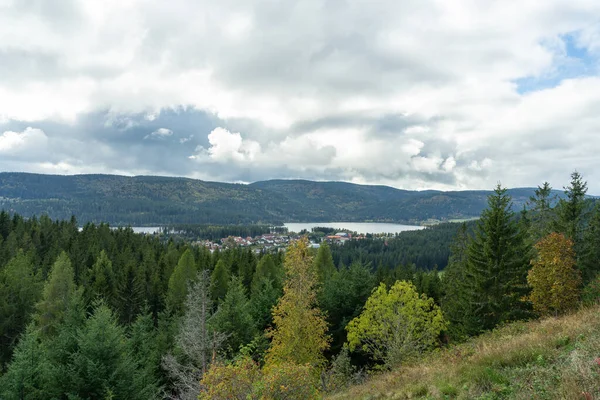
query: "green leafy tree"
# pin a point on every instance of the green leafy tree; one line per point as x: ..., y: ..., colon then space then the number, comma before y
x: 497, y: 264
x: 299, y: 333
x: 396, y: 324
x: 555, y: 281
x: 233, y: 317
x: 184, y: 273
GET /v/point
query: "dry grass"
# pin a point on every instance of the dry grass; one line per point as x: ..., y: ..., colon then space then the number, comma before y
x: 553, y: 358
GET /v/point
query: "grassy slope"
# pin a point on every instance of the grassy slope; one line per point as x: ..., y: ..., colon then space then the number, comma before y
x: 550, y: 359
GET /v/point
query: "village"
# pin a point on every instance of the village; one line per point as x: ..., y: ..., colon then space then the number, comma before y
x: 277, y: 241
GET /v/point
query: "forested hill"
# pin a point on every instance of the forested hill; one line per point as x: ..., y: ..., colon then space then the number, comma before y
x: 151, y: 200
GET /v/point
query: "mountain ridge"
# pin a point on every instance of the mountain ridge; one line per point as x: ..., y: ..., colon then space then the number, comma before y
x: 158, y: 200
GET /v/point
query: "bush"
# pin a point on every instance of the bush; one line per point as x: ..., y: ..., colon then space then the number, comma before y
x: 591, y: 292
x: 232, y: 381
x: 289, y: 381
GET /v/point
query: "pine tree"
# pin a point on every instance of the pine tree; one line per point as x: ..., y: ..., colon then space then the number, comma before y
x: 233, y: 317
x: 179, y: 281
x: 300, y: 329
x: 555, y: 281
x: 497, y: 264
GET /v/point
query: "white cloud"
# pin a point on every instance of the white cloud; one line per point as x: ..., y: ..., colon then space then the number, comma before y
x: 30, y: 141
x: 160, y: 133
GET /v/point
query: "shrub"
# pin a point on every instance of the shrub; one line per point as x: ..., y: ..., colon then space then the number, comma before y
x: 232, y: 381
x: 289, y: 381
x: 591, y: 292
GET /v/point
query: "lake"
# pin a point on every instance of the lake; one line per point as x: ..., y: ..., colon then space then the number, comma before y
x: 359, y: 227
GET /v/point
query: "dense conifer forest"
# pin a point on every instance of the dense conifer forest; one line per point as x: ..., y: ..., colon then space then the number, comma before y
x: 99, y: 313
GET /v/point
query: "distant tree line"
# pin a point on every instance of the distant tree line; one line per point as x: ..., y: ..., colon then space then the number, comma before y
x: 216, y: 232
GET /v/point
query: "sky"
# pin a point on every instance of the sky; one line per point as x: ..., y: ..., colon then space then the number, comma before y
x: 415, y: 94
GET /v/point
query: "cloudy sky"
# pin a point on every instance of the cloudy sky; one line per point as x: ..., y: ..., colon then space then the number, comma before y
x: 444, y: 94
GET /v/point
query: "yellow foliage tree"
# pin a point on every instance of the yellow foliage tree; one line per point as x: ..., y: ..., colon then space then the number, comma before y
x: 396, y: 324
x: 300, y: 330
x: 554, y: 279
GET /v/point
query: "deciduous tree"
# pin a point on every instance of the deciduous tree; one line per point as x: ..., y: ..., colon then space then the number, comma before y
x: 554, y: 278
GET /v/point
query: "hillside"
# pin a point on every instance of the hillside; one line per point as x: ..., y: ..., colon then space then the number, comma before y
x: 556, y: 358
x: 150, y: 200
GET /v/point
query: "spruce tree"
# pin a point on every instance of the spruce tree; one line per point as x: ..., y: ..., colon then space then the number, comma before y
x: 102, y: 367
x: 456, y: 303
x: 233, y: 317
x: 497, y: 264
x: 570, y: 210
x: 542, y: 214
x: 28, y: 375
x: 220, y: 280
x: 20, y: 289
x: 590, y: 249
x: 184, y: 273
x: 58, y: 294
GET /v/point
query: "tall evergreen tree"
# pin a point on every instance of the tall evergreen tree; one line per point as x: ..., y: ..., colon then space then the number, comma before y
x: 57, y: 296
x: 20, y: 289
x: 542, y: 215
x: 28, y: 375
x: 456, y: 303
x: 219, y: 280
x: 324, y: 262
x: 570, y: 210
x: 233, y: 317
x: 179, y: 281
x: 497, y: 264
x: 101, y: 283
x: 590, y: 249
x: 102, y: 367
